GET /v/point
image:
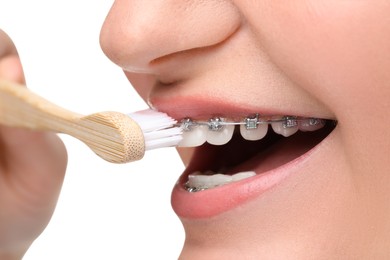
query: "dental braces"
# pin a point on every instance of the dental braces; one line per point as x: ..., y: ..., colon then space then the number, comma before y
x: 250, y: 122
x: 193, y: 189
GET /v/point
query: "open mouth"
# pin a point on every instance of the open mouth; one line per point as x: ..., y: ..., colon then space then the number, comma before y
x: 248, y: 150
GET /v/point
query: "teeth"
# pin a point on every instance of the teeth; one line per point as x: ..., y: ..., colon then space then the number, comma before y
x: 287, y: 127
x: 254, y: 134
x: 242, y: 175
x: 220, y: 137
x: 197, y: 181
x: 218, y: 132
x: 311, y: 124
x: 195, y: 137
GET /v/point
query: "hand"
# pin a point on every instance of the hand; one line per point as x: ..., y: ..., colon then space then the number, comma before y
x: 32, y: 168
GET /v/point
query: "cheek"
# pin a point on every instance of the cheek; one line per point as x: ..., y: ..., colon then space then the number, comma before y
x: 142, y: 83
x: 185, y: 154
x: 339, y: 52
x: 335, y: 50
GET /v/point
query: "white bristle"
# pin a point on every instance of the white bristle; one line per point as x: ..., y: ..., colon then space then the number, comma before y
x: 159, y: 129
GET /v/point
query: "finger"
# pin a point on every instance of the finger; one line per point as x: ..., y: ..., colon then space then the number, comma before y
x: 6, y: 45
x: 30, y: 183
x: 11, y: 68
x: 34, y: 162
x: 32, y: 169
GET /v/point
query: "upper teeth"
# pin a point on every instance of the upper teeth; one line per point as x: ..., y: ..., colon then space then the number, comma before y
x: 254, y: 134
x: 287, y: 127
x: 218, y: 131
x: 221, y: 136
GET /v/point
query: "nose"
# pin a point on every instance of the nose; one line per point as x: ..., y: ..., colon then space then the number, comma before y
x: 137, y: 32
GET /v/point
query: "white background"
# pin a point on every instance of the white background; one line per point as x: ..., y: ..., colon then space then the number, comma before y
x: 105, y: 211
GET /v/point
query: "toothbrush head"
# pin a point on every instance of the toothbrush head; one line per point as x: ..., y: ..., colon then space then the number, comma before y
x: 113, y: 136
x: 121, y: 138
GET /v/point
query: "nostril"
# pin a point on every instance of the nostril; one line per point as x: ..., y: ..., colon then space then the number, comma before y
x: 134, y: 35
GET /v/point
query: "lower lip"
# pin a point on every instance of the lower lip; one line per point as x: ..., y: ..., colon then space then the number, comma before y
x: 212, y: 202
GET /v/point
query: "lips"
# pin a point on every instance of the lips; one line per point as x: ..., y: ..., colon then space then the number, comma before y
x: 272, y: 159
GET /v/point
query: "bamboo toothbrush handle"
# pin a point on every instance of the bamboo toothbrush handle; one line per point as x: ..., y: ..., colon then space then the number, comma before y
x: 113, y: 136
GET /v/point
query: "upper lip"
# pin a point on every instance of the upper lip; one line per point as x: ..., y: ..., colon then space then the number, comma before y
x: 201, y: 107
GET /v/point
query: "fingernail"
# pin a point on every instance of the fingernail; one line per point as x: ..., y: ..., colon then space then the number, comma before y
x: 11, y: 69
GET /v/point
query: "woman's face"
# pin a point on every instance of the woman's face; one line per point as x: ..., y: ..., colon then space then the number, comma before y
x: 321, y: 59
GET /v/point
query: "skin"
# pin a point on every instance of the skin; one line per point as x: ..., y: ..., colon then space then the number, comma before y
x: 32, y: 167
x: 327, y: 59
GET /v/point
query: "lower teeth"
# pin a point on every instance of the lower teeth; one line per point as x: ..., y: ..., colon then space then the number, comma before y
x: 198, y: 181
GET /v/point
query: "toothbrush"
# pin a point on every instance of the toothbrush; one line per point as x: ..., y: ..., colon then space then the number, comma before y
x: 115, y: 137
